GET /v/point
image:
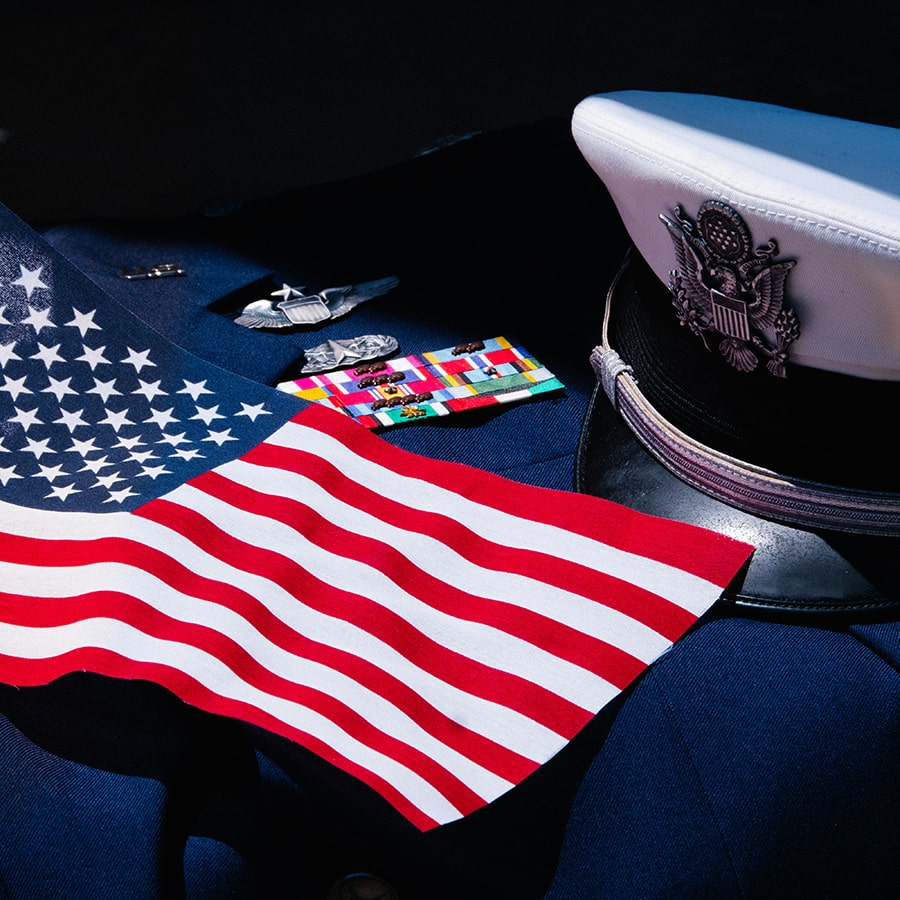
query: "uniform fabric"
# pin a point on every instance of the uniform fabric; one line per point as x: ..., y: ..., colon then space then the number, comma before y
x: 773, y: 775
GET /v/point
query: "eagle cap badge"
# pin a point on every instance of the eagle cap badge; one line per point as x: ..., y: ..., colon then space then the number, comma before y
x: 723, y: 286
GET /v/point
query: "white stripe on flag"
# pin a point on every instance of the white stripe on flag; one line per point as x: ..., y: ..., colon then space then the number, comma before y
x: 490, y: 646
x: 443, y: 562
x: 45, y: 581
x: 676, y: 585
x: 493, y: 720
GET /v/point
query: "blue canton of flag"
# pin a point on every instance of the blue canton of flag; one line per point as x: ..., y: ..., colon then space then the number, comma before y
x: 98, y: 412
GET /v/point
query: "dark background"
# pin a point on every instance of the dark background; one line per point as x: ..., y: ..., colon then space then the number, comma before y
x: 162, y: 108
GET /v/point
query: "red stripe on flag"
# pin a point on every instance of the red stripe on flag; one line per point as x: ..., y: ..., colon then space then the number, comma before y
x: 555, y: 637
x: 469, y: 675
x: 644, y: 606
x: 714, y: 557
x: 501, y: 760
x: 37, y: 612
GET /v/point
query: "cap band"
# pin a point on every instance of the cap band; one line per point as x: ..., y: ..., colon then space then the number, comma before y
x: 751, y: 488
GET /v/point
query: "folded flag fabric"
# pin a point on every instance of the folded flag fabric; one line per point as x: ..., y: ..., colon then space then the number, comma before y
x: 435, y: 630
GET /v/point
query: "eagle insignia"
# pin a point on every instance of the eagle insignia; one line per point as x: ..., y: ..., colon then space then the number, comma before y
x: 725, y: 290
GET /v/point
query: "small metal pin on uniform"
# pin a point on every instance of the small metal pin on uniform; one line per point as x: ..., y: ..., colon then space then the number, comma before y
x: 160, y: 270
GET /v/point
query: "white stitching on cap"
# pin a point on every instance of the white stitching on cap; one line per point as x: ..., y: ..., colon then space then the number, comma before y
x: 706, y: 188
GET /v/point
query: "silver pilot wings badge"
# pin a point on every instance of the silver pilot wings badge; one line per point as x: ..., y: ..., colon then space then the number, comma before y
x: 293, y: 306
x: 725, y: 287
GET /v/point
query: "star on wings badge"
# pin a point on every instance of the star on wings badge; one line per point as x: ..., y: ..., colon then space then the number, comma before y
x: 724, y: 287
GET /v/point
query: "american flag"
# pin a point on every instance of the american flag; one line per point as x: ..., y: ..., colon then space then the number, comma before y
x: 433, y: 629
